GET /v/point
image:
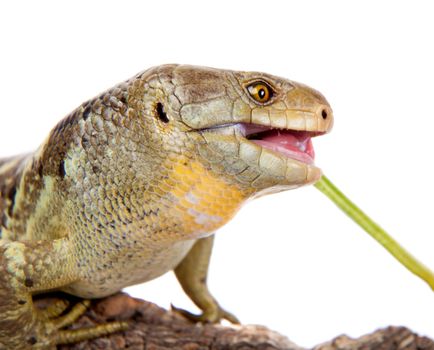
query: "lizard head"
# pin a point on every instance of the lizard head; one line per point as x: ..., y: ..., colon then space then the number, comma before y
x: 252, y: 127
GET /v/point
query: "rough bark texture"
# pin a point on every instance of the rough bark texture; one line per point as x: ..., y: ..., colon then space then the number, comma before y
x: 155, y: 328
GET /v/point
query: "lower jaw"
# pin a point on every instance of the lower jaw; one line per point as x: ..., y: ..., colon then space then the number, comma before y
x: 279, y: 172
x: 293, y: 168
x: 313, y: 175
x: 287, y: 153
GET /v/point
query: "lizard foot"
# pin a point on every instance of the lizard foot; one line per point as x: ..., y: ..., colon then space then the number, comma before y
x: 53, y: 323
x: 211, y: 315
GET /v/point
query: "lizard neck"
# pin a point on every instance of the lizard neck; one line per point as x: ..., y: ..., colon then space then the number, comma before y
x: 12, y: 189
x: 30, y: 202
x: 199, y: 199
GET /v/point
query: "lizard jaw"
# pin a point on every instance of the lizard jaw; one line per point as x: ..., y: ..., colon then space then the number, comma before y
x: 282, y: 156
x: 288, y: 143
x: 293, y: 144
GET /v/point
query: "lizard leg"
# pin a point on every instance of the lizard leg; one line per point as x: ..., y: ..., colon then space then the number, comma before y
x: 55, y: 309
x: 76, y: 335
x: 27, y: 268
x: 68, y: 319
x: 192, y: 275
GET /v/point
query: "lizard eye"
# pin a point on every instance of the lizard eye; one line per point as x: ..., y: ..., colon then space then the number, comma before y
x: 260, y: 91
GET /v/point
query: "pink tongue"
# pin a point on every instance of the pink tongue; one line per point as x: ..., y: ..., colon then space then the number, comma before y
x: 294, y: 145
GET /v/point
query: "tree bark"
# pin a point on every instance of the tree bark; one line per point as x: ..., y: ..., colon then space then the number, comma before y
x: 154, y: 328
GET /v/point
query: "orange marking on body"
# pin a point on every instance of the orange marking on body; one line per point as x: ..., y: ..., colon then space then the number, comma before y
x: 204, y: 201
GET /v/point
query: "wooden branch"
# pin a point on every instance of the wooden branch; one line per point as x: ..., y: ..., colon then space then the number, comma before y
x: 155, y: 328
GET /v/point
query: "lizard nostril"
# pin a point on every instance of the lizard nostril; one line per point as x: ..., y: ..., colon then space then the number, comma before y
x: 324, y: 114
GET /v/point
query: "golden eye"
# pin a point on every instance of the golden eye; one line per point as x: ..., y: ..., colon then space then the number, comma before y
x: 260, y: 91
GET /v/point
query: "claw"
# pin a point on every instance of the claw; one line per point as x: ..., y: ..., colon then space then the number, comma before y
x: 230, y: 317
x: 208, y: 316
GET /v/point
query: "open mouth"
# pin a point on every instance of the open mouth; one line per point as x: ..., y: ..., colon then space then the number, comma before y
x: 293, y: 144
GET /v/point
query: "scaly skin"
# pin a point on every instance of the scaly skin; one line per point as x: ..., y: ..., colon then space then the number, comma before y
x: 133, y: 184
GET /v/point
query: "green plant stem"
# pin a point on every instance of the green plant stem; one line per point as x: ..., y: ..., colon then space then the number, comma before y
x: 381, y: 236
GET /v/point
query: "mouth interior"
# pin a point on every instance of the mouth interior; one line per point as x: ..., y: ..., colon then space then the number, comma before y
x: 293, y: 144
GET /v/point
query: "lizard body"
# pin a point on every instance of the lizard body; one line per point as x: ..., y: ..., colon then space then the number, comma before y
x: 134, y: 183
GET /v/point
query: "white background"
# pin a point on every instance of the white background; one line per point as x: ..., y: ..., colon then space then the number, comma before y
x: 290, y: 261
